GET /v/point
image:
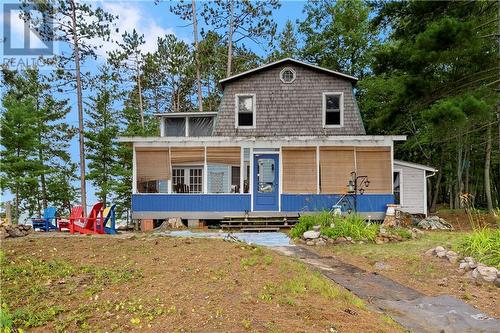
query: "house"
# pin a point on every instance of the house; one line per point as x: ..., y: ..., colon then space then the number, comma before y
x: 286, y: 139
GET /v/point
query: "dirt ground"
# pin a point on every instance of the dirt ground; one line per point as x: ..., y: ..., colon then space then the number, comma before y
x: 460, y: 221
x: 406, y: 263
x: 90, y: 284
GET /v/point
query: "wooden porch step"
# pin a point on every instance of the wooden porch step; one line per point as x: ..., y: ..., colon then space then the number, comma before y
x: 260, y: 229
x: 255, y: 226
x: 259, y: 221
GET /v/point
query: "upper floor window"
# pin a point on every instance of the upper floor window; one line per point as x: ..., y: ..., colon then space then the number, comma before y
x: 333, y: 109
x: 287, y: 75
x: 245, y: 110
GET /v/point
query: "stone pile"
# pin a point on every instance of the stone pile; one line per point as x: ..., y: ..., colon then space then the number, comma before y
x: 11, y: 230
x: 385, y: 236
x: 441, y: 252
x: 434, y: 223
x: 477, y: 271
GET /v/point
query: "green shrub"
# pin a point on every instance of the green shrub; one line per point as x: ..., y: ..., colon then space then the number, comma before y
x: 5, y: 319
x: 404, y: 233
x: 483, y: 245
x: 306, y: 222
x: 353, y: 226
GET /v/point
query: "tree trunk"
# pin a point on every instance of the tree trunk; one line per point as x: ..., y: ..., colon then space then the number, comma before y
x: 76, y: 55
x: 467, y: 168
x: 196, y: 55
x: 139, y: 91
x: 230, y: 38
x: 15, y: 220
x: 436, y: 191
x: 40, y: 156
x: 459, y: 186
x: 487, y: 162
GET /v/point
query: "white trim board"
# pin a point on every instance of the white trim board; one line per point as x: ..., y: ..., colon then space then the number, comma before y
x: 414, y: 165
x: 267, y: 142
x: 341, y: 109
x: 352, y: 78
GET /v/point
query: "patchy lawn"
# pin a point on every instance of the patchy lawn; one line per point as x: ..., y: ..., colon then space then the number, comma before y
x: 406, y: 263
x: 92, y: 284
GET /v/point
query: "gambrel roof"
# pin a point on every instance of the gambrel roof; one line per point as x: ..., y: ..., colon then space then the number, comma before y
x: 298, y: 62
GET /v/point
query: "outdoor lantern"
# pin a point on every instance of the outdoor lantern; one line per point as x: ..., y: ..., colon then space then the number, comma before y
x: 367, y: 183
x: 350, y: 186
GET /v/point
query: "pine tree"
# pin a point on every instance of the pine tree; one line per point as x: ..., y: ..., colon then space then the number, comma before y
x: 338, y: 35
x: 78, y: 25
x: 53, y: 134
x: 130, y: 58
x: 101, y: 134
x: 241, y: 20
x: 287, y: 44
x: 18, y: 137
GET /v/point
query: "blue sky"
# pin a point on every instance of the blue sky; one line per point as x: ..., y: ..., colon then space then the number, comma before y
x: 151, y: 20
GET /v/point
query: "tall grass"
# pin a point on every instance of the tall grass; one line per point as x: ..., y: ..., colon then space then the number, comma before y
x: 306, y: 222
x: 483, y: 245
x: 353, y: 226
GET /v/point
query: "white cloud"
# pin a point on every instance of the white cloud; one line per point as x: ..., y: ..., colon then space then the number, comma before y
x: 132, y: 16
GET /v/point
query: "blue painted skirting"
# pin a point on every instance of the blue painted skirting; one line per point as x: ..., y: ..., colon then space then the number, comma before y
x: 241, y: 202
x: 190, y: 202
x: 319, y: 202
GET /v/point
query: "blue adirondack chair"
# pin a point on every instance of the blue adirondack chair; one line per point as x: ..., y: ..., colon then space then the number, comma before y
x: 109, y: 216
x: 45, y: 223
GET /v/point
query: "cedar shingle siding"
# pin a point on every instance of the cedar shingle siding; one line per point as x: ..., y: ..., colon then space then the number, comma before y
x: 293, y: 109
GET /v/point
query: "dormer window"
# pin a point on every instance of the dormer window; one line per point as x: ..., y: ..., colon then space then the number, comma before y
x: 245, y: 111
x: 333, y: 109
x: 287, y: 75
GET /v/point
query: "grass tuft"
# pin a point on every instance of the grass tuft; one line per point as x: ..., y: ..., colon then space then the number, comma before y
x: 353, y: 226
x: 483, y: 245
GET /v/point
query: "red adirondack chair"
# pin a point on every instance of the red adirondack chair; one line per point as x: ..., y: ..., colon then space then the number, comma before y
x: 76, y: 212
x: 87, y: 225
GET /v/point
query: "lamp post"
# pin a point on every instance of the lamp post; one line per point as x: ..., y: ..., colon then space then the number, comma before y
x: 357, y: 184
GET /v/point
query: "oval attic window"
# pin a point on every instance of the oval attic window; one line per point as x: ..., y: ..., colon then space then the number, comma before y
x: 287, y: 75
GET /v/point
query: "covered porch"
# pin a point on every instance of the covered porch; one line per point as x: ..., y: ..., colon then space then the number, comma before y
x: 214, y: 177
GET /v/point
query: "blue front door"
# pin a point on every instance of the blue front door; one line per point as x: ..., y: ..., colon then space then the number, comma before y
x: 266, y: 182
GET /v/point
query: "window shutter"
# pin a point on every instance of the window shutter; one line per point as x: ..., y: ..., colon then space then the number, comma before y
x: 152, y: 165
x: 224, y: 155
x: 336, y: 165
x: 375, y: 162
x: 183, y: 155
x: 299, y: 170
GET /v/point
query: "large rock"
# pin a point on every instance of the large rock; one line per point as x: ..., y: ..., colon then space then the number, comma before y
x: 434, y: 223
x: 311, y: 234
x: 452, y: 256
x: 485, y: 273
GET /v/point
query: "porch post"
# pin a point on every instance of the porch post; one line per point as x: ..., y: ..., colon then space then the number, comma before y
x: 134, y: 170
x: 205, y: 171
x: 280, y: 177
x: 250, y: 185
x: 242, y: 169
x: 318, y: 190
